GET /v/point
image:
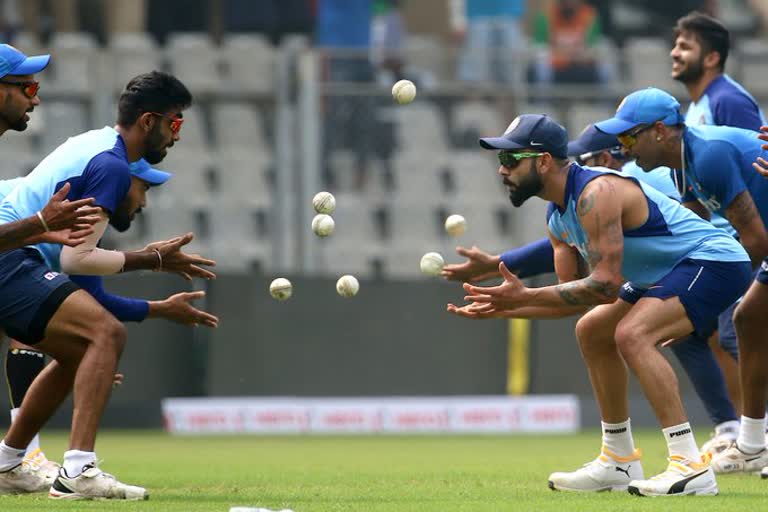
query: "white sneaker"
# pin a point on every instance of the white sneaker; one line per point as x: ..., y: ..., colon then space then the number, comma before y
x: 734, y: 460
x: 764, y: 473
x: 682, y: 477
x: 24, y: 478
x: 93, y: 483
x: 608, y: 472
x: 39, y: 462
x: 719, y: 442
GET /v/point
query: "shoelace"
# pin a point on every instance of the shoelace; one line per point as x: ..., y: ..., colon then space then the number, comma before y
x: 102, y: 474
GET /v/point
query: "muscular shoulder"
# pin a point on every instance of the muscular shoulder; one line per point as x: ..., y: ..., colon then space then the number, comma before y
x: 607, y: 188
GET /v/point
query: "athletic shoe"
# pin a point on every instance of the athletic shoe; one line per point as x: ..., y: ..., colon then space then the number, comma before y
x: 93, y: 483
x: 23, y: 479
x: 40, y: 462
x: 764, y: 473
x: 608, y: 472
x: 718, y: 443
x: 682, y: 477
x: 734, y: 460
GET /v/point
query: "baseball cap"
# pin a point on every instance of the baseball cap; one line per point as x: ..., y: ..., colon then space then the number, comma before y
x: 142, y: 170
x: 592, y: 140
x: 531, y: 131
x: 13, y: 62
x: 643, y: 107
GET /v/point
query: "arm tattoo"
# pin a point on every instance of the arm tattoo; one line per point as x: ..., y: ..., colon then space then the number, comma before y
x: 588, y: 291
x: 742, y: 210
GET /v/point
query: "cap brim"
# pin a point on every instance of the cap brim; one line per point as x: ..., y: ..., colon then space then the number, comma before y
x: 576, y: 148
x: 499, y: 143
x: 615, y: 126
x: 153, y: 176
x: 31, y: 65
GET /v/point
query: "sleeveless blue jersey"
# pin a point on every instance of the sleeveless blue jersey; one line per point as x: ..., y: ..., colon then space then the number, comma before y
x: 671, y: 233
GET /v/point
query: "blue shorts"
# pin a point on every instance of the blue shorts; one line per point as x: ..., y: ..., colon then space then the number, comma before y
x: 30, y: 294
x: 705, y: 288
x: 762, y: 274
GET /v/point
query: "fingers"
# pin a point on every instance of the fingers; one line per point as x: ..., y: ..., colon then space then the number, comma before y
x: 463, y: 251
x: 190, y: 296
x: 194, y: 270
x: 505, y: 273
x: 176, y: 244
x: 85, y: 204
x: 80, y: 231
x: 196, y: 259
x: 61, y: 194
x: 761, y: 166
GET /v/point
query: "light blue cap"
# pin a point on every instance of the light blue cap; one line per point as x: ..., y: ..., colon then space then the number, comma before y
x: 142, y: 170
x: 645, y: 106
x: 13, y: 62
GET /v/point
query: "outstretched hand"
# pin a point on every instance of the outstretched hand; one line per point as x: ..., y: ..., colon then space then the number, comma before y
x: 176, y: 261
x: 61, y: 213
x: 761, y: 165
x: 479, y: 266
x: 510, y: 294
x: 178, y: 308
x: 476, y: 311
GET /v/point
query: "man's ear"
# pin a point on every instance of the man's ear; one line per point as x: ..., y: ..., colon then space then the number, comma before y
x: 147, y: 121
x: 712, y: 60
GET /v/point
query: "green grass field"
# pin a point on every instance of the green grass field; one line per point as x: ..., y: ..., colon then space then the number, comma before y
x: 323, y: 474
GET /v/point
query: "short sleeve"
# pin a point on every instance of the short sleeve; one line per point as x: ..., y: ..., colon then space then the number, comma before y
x: 107, y: 179
x: 718, y: 171
x: 738, y: 111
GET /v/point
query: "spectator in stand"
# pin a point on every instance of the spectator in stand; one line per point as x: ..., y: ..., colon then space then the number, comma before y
x: 567, y: 33
x: 388, y: 40
x: 491, y: 35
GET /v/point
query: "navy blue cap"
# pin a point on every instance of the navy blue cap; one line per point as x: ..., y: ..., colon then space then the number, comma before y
x: 537, y: 132
x: 645, y: 106
x: 13, y: 62
x: 142, y: 170
x: 592, y: 140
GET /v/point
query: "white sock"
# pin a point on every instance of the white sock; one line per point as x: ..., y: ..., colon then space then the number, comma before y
x: 10, y: 457
x: 35, y: 443
x: 617, y: 438
x: 680, y: 441
x: 728, y: 428
x: 74, y: 460
x: 751, y: 435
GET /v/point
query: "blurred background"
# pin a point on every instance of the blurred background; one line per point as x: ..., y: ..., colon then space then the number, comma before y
x: 293, y: 97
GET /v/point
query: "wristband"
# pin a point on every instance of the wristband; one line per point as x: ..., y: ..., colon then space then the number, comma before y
x: 42, y: 221
x: 159, y: 260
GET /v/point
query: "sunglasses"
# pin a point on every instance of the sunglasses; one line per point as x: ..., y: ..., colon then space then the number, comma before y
x: 176, y: 122
x: 29, y: 88
x: 629, y: 138
x: 511, y: 160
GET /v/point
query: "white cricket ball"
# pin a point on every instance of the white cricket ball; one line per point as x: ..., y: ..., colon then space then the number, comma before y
x: 324, y: 202
x: 347, y: 286
x: 455, y: 225
x: 403, y: 91
x: 281, y: 289
x: 323, y: 225
x: 432, y: 263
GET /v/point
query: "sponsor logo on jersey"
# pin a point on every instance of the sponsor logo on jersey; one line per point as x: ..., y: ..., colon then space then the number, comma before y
x: 50, y: 276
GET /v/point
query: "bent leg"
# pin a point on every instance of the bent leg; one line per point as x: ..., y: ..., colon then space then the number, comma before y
x: 750, y: 322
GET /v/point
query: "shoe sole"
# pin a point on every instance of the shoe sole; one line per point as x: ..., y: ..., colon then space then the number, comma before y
x: 614, y: 488
x: 707, y: 491
x: 82, y: 497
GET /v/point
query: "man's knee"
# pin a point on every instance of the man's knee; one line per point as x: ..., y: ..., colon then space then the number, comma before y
x: 110, y: 334
x: 591, y: 336
x: 631, y: 338
x: 747, y: 317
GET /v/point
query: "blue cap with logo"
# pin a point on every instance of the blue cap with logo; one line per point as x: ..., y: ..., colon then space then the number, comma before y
x: 645, y: 106
x: 592, y: 140
x: 537, y: 132
x: 142, y: 170
x: 13, y: 62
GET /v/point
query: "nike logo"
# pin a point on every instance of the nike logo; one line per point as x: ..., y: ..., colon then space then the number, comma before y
x: 753, y: 458
x: 622, y: 470
x: 536, y: 143
x: 679, y: 486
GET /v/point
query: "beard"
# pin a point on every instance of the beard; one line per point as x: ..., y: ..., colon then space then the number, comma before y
x: 692, y: 72
x: 120, y: 221
x: 155, y: 146
x: 528, y: 187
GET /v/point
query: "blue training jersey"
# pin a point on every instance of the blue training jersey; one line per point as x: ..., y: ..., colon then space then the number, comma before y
x: 725, y: 103
x: 718, y: 167
x: 95, y: 164
x: 671, y: 234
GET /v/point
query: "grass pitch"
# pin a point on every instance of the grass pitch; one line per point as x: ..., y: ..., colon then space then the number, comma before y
x: 376, y: 474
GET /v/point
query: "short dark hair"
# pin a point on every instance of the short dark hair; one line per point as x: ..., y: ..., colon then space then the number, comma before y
x: 711, y: 33
x: 155, y: 91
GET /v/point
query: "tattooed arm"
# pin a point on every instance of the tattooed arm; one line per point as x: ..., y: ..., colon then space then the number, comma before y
x: 599, y: 210
x: 744, y: 217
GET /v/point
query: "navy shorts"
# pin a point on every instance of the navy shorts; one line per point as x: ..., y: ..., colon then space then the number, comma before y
x: 30, y: 294
x: 705, y: 288
x: 762, y: 274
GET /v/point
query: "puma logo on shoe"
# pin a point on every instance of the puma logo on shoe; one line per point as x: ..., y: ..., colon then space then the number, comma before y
x: 622, y: 470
